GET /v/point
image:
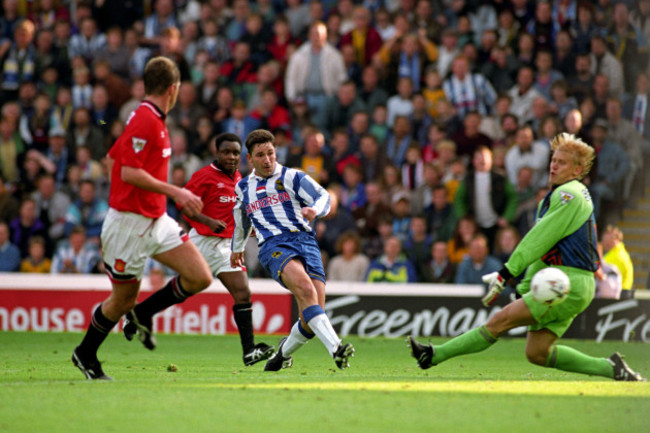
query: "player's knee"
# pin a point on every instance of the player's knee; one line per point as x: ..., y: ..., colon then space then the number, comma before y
x: 305, y: 292
x: 198, y: 281
x: 203, y: 282
x: 498, y: 324
x: 241, y: 296
x: 537, y: 357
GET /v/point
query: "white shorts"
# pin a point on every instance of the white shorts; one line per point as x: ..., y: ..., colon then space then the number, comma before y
x: 128, y: 239
x: 216, y: 251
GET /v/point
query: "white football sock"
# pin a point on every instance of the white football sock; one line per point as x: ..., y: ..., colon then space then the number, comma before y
x: 322, y: 327
x: 295, y: 341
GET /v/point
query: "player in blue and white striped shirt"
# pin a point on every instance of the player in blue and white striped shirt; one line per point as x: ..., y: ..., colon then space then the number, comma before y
x: 280, y: 202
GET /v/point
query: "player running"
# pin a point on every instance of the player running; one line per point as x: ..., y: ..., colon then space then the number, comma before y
x: 280, y: 203
x: 564, y: 237
x: 137, y: 226
x: 212, y: 232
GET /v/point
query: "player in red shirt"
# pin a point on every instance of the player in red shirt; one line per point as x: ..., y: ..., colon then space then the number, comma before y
x: 212, y: 234
x: 137, y: 227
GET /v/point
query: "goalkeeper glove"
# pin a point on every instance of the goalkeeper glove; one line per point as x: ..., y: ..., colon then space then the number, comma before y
x: 495, y: 281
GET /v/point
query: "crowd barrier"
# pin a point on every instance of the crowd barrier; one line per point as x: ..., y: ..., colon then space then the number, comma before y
x: 56, y: 303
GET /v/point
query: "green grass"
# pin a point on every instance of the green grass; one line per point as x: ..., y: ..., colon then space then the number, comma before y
x: 383, y: 391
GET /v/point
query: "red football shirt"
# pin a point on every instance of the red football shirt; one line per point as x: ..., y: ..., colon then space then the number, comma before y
x: 217, y: 190
x: 143, y: 144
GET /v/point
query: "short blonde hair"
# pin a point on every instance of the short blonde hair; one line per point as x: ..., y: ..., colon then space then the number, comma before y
x: 616, y: 233
x: 583, y: 154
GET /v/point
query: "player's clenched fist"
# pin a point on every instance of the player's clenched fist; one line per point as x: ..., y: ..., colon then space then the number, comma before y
x: 189, y: 202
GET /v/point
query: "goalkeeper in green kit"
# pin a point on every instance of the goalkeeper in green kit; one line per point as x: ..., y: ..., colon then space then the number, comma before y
x: 564, y: 236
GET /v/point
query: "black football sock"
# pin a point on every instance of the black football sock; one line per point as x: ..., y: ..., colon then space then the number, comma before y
x: 97, y: 332
x: 172, y: 293
x: 244, y: 320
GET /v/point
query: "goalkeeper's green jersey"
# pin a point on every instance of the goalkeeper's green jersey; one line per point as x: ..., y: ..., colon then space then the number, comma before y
x: 564, y: 233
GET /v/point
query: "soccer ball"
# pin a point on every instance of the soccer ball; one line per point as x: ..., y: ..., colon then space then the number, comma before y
x: 550, y: 286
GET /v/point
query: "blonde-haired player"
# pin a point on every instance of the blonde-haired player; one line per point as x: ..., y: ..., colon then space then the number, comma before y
x: 564, y: 237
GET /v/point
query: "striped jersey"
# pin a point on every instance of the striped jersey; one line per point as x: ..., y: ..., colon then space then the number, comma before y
x: 273, y: 205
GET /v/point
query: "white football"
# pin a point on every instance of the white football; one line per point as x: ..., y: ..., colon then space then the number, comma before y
x: 550, y: 286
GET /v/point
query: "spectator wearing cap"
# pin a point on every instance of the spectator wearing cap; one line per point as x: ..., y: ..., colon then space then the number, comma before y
x: 402, y: 215
x: 57, y: 156
x: 611, y: 167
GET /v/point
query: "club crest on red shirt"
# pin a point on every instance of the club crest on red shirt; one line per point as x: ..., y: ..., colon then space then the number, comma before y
x: 138, y: 144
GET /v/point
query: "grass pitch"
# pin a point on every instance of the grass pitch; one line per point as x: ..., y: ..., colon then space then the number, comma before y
x: 383, y: 391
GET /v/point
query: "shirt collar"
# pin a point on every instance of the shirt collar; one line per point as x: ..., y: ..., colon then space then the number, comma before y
x: 153, y: 107
x: 278, y: 169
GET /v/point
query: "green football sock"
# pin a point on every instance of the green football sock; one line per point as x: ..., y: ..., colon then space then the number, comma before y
x: 476, y: 340
x: 567, y: 359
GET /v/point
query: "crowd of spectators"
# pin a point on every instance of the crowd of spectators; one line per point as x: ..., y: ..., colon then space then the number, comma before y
x: 428, y: 120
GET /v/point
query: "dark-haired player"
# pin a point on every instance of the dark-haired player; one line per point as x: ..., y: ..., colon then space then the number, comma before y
x: 137, y: 226
x: 212, y: 231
